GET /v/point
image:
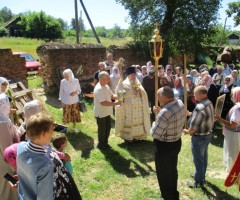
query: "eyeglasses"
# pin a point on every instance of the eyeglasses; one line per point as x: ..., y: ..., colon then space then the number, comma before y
x: 169, y: 70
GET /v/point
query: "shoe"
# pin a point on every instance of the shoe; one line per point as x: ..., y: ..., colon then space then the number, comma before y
x: 194, y: 185
x: 75, y: 130
x: 108, y: 146
x: 192, y: 175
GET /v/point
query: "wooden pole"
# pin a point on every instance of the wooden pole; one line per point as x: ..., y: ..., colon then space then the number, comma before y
x: 90, y: 22
x: 156, y: 83
x: 76, y: 22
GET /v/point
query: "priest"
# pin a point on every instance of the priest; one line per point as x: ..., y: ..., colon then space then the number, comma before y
x: 132, y: 119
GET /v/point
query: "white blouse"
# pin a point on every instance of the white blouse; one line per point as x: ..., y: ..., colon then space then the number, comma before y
x: 66, y: 88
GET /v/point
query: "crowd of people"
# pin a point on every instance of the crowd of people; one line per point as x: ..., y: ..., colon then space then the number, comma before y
x: 44, y: 172
x: 136, y: 111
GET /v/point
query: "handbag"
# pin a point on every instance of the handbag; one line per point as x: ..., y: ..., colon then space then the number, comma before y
x: 82, y: 106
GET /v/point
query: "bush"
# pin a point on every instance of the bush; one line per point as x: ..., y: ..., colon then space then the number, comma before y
x: 3, y: 32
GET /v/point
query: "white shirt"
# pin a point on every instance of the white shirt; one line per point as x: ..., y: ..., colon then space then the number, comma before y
x: 66, y: 88
x: 217, y: 76
x: 101, y: 94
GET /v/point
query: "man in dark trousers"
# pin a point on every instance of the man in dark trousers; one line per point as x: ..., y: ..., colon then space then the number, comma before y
x: 167, y: 132
x: 200, y: 126
x: 149, y: 86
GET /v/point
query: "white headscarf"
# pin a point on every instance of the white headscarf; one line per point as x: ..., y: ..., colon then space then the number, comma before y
x: 4, y: 105
x: 31, y: 108
x: 114, y: 75
x: 3, y: 80
x: 70, y: 74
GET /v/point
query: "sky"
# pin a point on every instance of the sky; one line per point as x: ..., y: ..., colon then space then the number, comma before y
x: 102, y: 12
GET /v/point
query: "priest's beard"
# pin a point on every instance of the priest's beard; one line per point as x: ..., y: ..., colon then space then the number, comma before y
x: 133, y: 81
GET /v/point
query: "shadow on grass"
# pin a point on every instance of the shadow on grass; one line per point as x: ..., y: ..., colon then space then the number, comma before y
x: 140, y: 150
x: 218, y: 194
x: 122, y: 165
x: 52, y: 100
x: 82, y: 142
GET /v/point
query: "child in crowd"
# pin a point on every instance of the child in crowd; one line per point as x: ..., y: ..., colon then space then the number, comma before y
x: 34, y: 168
x: 59, y: 141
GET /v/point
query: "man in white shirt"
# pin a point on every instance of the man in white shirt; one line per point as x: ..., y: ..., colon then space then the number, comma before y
x: 226, y: 70
x: 103, y: 108
x: 218, y: 78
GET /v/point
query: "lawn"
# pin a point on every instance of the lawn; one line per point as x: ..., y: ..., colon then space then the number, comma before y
x: 30, y: 45
x: 127, y: 171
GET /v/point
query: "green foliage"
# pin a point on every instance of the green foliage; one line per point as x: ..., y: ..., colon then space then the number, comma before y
x: 234, y: 9
x: 101, y: 31
x: 3, y: 32
x: 88, y: 33
x: 81, y: 25
x: 64, y: 24
x: 68, y: 33
x: 39, y: 25
x: 5, y: 15
x: 141, y: 49
x: 182, y: 23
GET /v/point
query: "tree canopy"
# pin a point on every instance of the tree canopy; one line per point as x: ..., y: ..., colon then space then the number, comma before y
x: 5, y: 15
x: 234, y: 9
x: 39, y: 25
x: 181, y: 22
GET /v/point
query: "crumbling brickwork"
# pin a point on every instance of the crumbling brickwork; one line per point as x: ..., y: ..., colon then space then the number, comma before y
x: 12, y: 66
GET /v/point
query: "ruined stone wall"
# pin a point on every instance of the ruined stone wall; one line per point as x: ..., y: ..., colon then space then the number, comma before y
x: 12, y: 66
x: 177, y: 60
x: 55, y: 58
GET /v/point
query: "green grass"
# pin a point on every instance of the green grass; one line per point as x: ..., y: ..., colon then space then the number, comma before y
x: 127, y: 172
x: 30, y: 45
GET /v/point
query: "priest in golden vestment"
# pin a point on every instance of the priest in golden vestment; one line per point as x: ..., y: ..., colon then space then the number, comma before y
x: 132, y: 118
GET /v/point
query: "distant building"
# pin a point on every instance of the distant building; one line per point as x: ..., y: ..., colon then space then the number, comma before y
x: 14, y: 28
x: 234, y: 39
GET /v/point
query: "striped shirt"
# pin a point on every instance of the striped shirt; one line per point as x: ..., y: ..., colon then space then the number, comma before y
x: 202, y: 118
x: 169, y: 123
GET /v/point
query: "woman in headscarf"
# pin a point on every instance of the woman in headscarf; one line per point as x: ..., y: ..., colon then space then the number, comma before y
x: 8, y: 136
x: 195, y: 76
x: 235, y: 78
x: 190, y: 96
x: 114, y: 79
x: 167, y: 80
x: 68, y: 94
x: 212, y: 89
x: 226, y: 89
x: 178, y: 89
x: 231, y: 131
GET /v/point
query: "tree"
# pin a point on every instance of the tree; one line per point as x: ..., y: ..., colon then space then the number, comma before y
x: 6, y: 14
x: 39, y: 25
x: 234, y: 9
x: 182, y: 22
x: 101, y: 31
x: 80, y: 24
x: 64, y: 24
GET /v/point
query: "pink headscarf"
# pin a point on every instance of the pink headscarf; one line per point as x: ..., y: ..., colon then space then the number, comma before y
x: 10, y: 155
x: 236, y: 94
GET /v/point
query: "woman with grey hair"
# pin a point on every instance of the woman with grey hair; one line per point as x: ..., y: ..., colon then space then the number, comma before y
x: 235, y: 78
x: 68, y: 94
x: 114, y: 79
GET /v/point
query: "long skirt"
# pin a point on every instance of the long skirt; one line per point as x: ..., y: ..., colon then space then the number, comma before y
x: 71, y: 113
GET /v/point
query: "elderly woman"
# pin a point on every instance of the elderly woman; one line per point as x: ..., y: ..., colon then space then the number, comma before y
x: 167, y: 80
x: 195, y: 76
x: 68, y: 94
x: 8, y: 136
x: 190, y: 96
x: 235, y: 78
x: 178, y: 89
x: 226, y: 89
x: 231, y: 131
x: 114, y: 79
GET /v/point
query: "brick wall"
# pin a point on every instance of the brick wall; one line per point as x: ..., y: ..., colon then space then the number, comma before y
x: 12, y: 66
x: 56, y: 57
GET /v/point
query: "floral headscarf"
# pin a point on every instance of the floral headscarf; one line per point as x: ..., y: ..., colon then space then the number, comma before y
x: 4, y: 105
x: 3, y: 80
x: 10, y: 155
